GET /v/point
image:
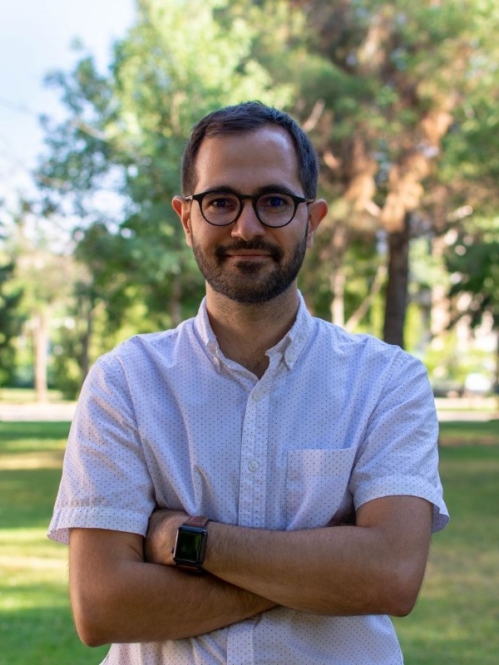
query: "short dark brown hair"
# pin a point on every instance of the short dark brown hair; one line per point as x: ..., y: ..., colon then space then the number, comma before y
x: 247, y: 117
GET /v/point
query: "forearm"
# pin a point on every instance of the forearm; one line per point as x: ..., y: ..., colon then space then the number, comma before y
x: 313, y: 571
x: 129, y: 600
x: 365, y: 569
x: 375, y: 567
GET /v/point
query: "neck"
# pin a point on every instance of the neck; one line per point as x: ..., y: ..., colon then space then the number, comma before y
x: 246, y: 332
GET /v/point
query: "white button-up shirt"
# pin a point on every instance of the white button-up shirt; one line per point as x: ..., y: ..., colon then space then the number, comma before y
x: 337, y: 420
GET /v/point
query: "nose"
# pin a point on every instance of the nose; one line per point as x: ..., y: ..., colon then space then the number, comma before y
x: 247, y: 225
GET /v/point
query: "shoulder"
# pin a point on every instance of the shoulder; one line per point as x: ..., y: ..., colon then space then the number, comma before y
x: 361, y: 359
x: 359, y: 344
x: 145, y: 356
x: 141, y: 346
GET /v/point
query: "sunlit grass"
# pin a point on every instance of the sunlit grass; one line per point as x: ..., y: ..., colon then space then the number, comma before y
x: 455, y: 621
x: 36, y: 627
x: 26, y: 395
x: 457, y: 616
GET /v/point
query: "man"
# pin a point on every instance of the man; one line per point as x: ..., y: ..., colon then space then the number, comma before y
x: 274, y: 426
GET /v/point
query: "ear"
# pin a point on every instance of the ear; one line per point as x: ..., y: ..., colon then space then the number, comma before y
x: 316, y: 213
x: 183, y: 210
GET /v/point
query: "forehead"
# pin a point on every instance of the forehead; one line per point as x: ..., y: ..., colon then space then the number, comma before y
x: 248, y: 161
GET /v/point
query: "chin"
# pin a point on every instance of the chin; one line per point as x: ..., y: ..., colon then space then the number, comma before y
x: 245, y: 295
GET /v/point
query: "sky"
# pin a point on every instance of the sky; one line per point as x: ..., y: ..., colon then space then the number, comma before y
x: 35, y: 38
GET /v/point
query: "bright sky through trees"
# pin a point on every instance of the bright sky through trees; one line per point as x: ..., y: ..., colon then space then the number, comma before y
x: 36, y: 37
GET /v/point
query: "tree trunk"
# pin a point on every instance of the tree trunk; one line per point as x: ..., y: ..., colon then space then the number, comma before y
x: 337, y: 285
x: 496, y: 386
x: 397, y: 284
x: 337, y: 276
x: 361, y: 311
x: 41, y: 343
x: 175, y: 301
x: 440, y: 315
x: 86, y: 341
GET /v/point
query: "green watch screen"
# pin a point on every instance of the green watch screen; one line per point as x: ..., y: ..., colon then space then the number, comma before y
x: 189, y: 545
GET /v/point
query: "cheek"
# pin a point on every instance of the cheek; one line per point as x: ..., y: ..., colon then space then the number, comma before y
x: 206, y: 236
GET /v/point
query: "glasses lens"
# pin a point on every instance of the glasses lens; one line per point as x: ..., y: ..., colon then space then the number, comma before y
x: 220, y: 208
x: 275, y: 209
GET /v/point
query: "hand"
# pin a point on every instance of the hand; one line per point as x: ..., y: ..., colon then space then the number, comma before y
x: 161, y: 534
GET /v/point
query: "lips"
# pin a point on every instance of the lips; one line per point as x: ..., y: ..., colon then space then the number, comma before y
x: 247, y: 255
x: 248, y: 250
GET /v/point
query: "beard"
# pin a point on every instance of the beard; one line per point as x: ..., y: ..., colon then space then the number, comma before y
x: 252, y: 283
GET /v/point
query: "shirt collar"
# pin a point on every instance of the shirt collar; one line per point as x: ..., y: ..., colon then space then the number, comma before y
x: 297, y: 337
x: 290, y: 346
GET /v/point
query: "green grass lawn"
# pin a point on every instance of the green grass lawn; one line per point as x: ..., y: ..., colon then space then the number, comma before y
x: 36, y: 627
x: 454, y: 623
x: 456, y: 619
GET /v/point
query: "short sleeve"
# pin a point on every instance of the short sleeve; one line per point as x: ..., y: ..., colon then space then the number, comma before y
x: 105, y: 482
x: 399, y: 455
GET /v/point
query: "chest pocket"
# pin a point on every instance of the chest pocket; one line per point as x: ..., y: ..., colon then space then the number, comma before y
x: 317, y: 486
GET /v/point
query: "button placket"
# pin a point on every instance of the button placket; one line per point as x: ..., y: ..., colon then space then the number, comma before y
x: 247, y: 455
x: 253, y: 479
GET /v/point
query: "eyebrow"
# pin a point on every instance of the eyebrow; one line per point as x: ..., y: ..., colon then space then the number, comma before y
x: 267, y: 189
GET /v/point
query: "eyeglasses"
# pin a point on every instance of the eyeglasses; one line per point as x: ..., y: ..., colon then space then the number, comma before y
x: 274, y: 209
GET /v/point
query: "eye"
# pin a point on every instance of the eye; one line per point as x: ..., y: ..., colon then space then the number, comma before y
x: 275, y: 202
x: 220, y: 202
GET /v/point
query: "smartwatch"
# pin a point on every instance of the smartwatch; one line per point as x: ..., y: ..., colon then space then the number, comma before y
x: 190, y: 544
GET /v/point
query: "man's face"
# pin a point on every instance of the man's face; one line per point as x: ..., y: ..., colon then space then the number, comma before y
x: 246, y: 261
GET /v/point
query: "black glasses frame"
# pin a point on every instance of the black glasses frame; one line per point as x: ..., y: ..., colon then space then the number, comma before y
x: 253, y: 198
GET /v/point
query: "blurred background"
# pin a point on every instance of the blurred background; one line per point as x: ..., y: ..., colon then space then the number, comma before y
x: 401, y: 102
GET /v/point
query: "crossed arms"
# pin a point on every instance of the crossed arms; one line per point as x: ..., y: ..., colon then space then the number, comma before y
x: 125, y: 588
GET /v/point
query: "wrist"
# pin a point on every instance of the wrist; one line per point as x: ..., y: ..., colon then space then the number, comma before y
x: 213, y: 547
x: 161, y: 535
x: 191, y: 540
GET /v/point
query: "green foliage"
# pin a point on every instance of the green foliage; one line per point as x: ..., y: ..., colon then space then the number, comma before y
x: 393, y: 79
x: 10, y: 321
x: 387, y: 90
x: 474, y: 264
x: 125, y: 133
x: 359, y: 264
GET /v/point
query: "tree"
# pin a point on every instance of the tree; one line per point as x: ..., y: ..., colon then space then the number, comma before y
x: 43, y: 277
x: 383, y: 88
x: 10, y: 321
x: 473, y: 262
x: 380, y: 88
x: 125, y: 134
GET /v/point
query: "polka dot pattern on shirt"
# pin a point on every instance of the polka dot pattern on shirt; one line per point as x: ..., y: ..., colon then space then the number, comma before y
x: 337, y: 420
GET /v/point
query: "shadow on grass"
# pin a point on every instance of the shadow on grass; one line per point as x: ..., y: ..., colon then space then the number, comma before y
x: 41, y: 431
x: 455, y: 619
x: 457, y: 433
x: 43, y: 636
x: 454, y: 622
x: 431, y: 635
x: 30, y: 496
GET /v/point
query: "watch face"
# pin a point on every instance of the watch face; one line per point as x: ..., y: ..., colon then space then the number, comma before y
x: 190, y: 545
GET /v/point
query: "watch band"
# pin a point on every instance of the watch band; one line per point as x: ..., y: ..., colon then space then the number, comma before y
x: 198, y: 521
x: 190, y: 544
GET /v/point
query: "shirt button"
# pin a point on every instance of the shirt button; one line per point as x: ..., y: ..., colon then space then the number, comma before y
x: 253, y: 465
x: 257, y: 397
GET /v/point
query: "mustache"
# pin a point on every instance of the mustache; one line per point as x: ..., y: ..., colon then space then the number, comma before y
x: 256, y: 244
